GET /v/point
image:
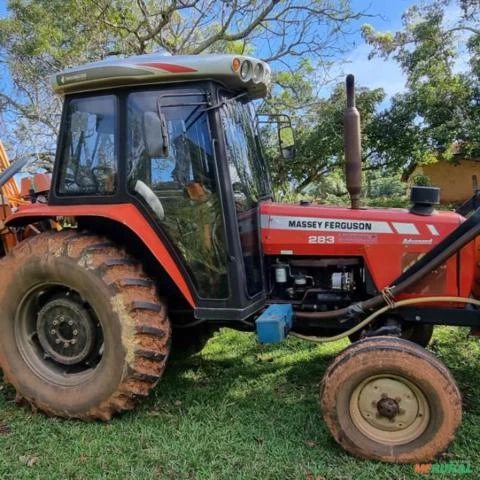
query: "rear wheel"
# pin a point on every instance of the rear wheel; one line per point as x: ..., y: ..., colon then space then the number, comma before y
x: 83, y: 333
x: 388, y: 399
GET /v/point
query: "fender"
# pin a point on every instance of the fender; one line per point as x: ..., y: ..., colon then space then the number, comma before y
x: 125, y: 214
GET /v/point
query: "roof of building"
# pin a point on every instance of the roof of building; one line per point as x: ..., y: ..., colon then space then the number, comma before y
x: 236, y: 72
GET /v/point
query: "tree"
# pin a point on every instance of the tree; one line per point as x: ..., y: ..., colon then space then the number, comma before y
x: 437, y: 117
x: 40, y: 37
x: 320, y: 144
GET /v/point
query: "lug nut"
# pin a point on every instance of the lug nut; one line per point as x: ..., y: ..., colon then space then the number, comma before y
x: 53, y: 331
x: 57, y: 340
x: 55, y: 322
x: 66, y: 345
x: 75, y: 332
x: 70, y: 322
x: 73, y: 341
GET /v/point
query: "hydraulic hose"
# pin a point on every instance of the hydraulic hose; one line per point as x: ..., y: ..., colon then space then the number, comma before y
x: 408, y: 278
x: 373, y: 316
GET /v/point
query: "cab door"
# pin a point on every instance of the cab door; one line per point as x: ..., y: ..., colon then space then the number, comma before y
x: 178, y: 184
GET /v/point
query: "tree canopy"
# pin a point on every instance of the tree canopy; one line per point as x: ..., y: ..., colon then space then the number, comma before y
x: 41, y: 37
x: 438, y: 115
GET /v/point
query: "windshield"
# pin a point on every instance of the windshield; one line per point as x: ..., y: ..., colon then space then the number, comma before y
x: 248, y: 170
x: 250, y: 184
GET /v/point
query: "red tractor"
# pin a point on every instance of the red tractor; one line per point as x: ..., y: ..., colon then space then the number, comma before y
x: 165, y: 222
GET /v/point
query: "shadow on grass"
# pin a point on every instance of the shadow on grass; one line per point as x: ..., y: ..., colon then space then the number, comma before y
x: 235, y: 410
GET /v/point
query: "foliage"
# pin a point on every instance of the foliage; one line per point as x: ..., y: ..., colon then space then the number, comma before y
x: 421, y: 180
x: 437, y: 117
x: 320, y: 143
x: 39, y: 38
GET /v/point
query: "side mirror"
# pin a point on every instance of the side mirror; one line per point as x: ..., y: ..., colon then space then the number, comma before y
x: 156, y: 134
x: 286, y: 140
x: 286, y: 137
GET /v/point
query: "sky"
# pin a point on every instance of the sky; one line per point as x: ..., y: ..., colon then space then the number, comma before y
x: 369, y: 73
x: 375, y: 73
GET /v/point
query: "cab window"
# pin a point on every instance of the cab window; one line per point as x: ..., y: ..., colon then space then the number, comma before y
x: 89, y: 156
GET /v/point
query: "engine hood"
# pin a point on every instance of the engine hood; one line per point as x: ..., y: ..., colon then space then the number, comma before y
x: 389, y: 240
x: 294, y: 227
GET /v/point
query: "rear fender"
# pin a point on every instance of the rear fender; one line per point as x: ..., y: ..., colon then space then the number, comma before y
x: 125, y: 215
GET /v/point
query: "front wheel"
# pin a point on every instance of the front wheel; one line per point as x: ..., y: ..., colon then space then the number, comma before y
x: 388, y: 399
x: 83, y: 333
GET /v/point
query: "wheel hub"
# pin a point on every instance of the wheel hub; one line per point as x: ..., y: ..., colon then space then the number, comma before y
x: 66, y: 331
x: 390, y: 409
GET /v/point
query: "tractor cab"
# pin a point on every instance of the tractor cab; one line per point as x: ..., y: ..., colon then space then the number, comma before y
x: 175, y: 136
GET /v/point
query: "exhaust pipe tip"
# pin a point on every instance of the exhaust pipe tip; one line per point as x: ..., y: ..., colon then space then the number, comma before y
x: 350, y: 81
x: 353, y: 149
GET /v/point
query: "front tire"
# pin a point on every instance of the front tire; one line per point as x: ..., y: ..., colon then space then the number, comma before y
x: 83, y: 333
x: 388, y: 399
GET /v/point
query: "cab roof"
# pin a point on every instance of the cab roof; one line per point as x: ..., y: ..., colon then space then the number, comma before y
x: 236, y: 72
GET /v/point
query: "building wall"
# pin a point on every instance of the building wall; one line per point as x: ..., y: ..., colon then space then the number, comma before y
x: 454, y: 179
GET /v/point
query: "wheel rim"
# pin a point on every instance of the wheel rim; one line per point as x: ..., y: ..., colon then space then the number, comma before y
x: 389, y: 409
x: 58, y: 334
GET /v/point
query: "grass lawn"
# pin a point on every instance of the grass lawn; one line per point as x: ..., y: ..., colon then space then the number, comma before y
x: 235, y: 411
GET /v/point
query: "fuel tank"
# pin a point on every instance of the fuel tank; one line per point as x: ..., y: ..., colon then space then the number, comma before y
x: 388, y: 240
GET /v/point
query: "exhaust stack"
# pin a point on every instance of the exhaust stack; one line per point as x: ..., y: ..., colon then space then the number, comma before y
x: 353, y: 148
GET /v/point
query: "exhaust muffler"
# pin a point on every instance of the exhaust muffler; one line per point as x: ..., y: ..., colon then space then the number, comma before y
x: 353, y: 147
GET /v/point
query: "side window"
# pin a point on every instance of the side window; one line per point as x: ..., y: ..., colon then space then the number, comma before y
x: 178, y: 185
x: 89, y: 154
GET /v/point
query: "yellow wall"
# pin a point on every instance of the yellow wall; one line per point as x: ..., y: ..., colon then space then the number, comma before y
x: 455, y: 180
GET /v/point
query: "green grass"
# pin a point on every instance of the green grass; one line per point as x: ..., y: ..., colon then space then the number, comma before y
x: 234, y: 411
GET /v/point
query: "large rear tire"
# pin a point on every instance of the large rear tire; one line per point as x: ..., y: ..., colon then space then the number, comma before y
x: 83, y: 333
x: 388, y: 399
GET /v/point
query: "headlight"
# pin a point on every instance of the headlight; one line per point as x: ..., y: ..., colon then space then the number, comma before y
x: 258, y: 72
x: 246, y: 70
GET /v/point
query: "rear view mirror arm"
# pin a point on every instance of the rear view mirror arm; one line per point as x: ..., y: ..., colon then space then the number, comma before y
x: 163, y: 129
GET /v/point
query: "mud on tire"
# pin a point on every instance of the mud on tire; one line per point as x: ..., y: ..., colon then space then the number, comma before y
x: 388, y: 399
x: 83, y: 333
